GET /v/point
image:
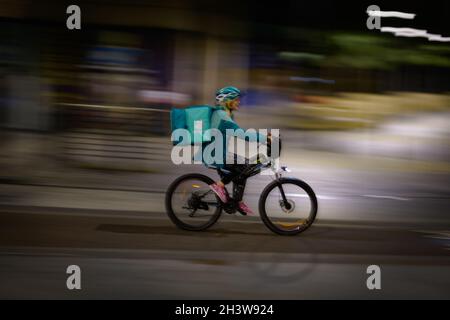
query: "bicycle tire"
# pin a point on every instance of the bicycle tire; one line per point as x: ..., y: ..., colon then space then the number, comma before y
x: 169, y: 209
x: 301, y: 184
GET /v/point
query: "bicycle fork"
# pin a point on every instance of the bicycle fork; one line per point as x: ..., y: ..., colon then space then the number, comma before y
x: 285, y: 202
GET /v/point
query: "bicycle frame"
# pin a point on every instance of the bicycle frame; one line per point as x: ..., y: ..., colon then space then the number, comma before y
x: 256, y: 165
x: 240, y: 181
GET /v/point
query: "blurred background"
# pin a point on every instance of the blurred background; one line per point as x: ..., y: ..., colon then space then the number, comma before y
x: 85, y: 128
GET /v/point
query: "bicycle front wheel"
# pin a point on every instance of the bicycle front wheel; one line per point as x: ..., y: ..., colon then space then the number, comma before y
x: 191, y: 204
x: 292, y: 213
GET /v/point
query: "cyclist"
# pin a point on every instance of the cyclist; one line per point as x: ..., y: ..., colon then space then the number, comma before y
x: 229, y: 99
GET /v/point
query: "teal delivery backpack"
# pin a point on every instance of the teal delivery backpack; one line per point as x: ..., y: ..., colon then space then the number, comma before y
x: 196, y: 120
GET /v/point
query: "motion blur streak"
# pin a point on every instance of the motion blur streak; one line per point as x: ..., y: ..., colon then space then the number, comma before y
x: 391, y: 14
x: 85, y: 147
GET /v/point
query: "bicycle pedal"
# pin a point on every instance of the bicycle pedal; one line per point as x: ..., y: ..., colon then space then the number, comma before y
x: 229, y: 210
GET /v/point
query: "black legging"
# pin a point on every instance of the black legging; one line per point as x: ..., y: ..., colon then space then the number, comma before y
x: 234, y: 170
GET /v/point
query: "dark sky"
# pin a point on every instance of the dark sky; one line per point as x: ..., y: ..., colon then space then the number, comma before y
x: 431, y: 15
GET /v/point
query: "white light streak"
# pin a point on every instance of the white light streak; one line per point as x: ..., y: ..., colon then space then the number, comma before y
x: 391, y: 14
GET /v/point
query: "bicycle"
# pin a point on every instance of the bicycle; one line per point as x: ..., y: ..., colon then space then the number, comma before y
x: 201, y: 208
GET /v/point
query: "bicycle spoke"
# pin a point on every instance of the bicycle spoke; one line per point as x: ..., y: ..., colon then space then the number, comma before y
x: 193, y: 205
x: 288, y: 207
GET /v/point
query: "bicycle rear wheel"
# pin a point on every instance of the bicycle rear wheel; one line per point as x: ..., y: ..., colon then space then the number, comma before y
x: 292, y: 216
x: 190, y: 204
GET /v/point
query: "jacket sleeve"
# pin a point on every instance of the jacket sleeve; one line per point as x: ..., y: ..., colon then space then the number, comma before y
x: 227, y: 123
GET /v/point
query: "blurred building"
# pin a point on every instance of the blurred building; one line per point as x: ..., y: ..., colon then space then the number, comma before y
x: 305, y: 66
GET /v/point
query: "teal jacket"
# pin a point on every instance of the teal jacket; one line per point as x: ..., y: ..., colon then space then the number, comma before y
x: 221, y: 121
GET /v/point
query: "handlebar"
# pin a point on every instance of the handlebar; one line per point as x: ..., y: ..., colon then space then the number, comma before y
x: 267, y: 158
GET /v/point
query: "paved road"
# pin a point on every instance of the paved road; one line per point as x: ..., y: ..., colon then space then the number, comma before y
x: 142, y: 255
x: 387, y: 212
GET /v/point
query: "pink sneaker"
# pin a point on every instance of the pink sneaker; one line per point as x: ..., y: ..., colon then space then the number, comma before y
x: 220, y: 191
x: 245, y: 209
